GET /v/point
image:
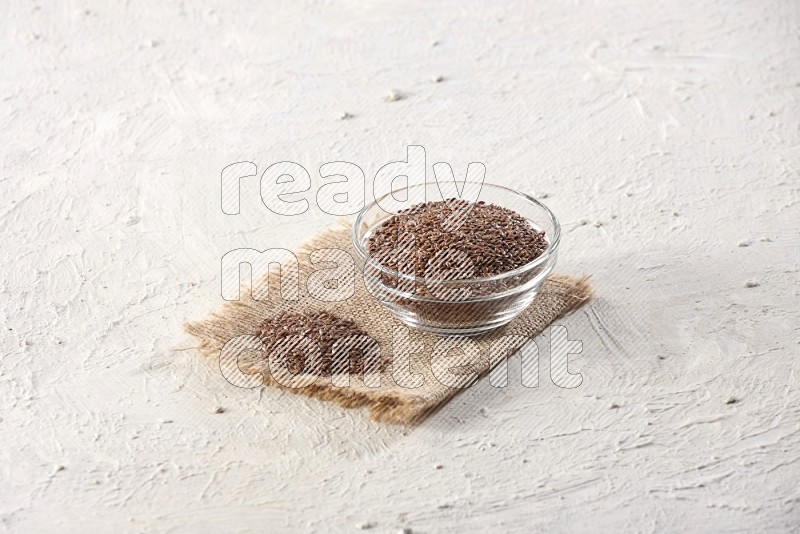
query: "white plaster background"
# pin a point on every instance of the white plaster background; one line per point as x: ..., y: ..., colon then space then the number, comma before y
x: 672, y: 124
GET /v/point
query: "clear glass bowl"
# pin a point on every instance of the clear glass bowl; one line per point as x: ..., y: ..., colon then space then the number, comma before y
x: 457, y: 306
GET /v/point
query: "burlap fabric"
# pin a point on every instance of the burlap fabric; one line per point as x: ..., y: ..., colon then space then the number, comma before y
x: 423, y: 370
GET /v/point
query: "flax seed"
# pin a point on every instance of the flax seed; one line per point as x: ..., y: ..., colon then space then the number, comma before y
x: 319, y: 330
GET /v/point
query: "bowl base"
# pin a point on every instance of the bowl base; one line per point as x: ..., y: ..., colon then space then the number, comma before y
x: 454, y: 331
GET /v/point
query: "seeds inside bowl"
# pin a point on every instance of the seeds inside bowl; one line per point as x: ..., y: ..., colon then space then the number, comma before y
x: 455, y: 267
x: 456, y: 239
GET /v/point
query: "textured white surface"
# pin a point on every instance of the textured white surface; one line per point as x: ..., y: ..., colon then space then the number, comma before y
x: 672, y: 125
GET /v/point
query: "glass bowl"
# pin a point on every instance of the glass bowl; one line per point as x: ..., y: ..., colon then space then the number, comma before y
x: 455, y: 306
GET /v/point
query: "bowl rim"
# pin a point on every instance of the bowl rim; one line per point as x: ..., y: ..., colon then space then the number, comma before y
x: 551, y: 249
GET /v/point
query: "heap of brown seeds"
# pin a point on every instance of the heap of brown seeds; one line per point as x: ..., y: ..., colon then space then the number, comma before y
x: 481, y: 240
x: 320, y: 329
